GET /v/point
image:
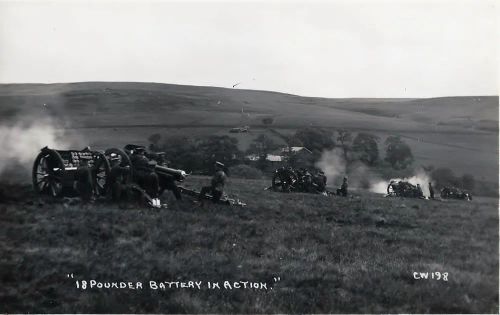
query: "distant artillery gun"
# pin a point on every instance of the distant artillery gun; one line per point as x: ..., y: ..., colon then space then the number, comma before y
x: 404, y: 189
x: 55, y: 171
x: 286, y: 179
x: 455, y: 193
x: 239, y: 129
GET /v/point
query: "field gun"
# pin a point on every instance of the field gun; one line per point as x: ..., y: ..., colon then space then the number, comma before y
x: 55, y: 171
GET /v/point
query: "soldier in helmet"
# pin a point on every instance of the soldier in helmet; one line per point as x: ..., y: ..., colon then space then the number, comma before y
x: 216, y: 188
x: 83, y: 177
x: 342, y: 191
x: 144, y: 174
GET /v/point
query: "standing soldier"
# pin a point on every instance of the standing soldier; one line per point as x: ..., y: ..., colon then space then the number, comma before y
x: 431, y: 191
x: 117, y: 179
x: 342, y: 191
x: 420, y: 193
x: 321, y: 182
x: 217, y: 184
x: 84, y: 184
x: 146, y: 177
x: 390, y: 187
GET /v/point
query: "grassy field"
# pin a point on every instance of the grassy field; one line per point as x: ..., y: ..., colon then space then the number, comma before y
x: 314, y: 253
x: 348, y: 255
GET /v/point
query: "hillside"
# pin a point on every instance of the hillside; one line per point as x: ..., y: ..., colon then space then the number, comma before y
x: 104, y: 114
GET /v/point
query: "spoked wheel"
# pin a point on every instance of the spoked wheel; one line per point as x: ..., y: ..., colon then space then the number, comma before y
x: 124, y: 158
x: 280, y: 182
x: 100, y: 174
x: 47, y: 173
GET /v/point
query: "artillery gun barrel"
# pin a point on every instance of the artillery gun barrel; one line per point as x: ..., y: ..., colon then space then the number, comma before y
x: 179, y: 175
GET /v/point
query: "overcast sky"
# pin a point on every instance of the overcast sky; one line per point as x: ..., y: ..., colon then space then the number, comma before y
x: 349, y: 48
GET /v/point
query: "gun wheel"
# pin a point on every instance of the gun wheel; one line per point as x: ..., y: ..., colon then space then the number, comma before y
x: 124, y: 158
x: 47, y: 173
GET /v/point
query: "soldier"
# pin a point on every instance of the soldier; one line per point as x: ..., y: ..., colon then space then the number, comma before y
x: 321, y: 182
x: 342, y: 191
x: 216, y: 187
x: 145, y: 175
x: 420, y: 193
x: 390, y: 187
x: 431, y: 191
x: 117, y: 178
x: 288, y: 179
x: 84, y: 184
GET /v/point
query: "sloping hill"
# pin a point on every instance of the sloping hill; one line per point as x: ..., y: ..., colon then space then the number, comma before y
x: 167, y: 104
x: 458, y: 132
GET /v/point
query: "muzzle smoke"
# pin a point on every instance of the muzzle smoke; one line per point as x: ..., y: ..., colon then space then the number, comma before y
x: 21, y: 143
x: 333, y: 164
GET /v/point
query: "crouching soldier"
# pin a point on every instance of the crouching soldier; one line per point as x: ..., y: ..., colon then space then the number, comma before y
x: 84, y: 184
x: 216, y: 188
x: 144, y: 174
x: 342, y: 191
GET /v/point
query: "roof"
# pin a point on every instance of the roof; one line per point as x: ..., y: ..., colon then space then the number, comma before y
x: 274, y: 158
x: 269, y: 157
x: 294, y: 149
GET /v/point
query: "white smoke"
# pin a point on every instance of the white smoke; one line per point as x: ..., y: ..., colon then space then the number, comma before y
x: 21, y: 143
x: 421, y: 178
x: 333, y: 164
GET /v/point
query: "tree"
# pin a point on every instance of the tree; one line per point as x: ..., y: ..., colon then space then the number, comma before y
x: 315, y: 139
x: 468, y: 181
x: 268, y: 121
x: 344, y: 137
x: 262, y: 145
x: 181, y: 152
x: 219, y: 148
x: 398, y: 153
x: 365, y: 148
x: 154, y: 139
x: 444, y: 176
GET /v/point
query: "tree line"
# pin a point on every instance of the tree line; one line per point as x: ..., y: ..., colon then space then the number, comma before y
x: 198, y: 153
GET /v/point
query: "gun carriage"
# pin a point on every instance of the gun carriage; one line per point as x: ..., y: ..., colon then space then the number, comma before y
x: 158, y: 164
x: 455, y: 193
x: 403, y: 189
x: 54, y: 171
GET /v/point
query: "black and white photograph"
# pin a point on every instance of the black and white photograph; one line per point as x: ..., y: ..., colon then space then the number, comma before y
x: 249, y: 157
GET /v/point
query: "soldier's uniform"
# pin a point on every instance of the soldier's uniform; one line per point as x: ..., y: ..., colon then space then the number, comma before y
x: 342, y: 191
x: 168, y: 181
x: 431, y: 191
x: 321, y: 181
x: 420, y: 193
x: 84, y: 183
x: 217, y: 184
x: 144, y: 173
x: 117, y: 179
